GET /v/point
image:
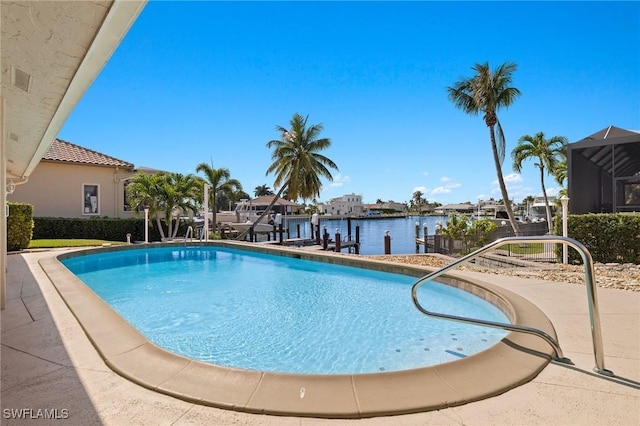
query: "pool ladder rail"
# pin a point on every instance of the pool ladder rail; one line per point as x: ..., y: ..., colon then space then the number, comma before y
x: 592, y: 299
x: 190, y: 233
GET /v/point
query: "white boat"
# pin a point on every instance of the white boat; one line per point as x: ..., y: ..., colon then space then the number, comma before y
x: 260, y: 228
x: 243, y: 212
x: 538, y: 209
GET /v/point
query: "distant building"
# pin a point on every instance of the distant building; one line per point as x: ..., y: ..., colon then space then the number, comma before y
x: 455, y: 208
x: 349, y: 204
x: 282, y: 205
x: 388, y: 206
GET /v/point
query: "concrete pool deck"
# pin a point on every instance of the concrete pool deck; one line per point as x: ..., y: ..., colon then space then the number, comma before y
x: 48, y: 363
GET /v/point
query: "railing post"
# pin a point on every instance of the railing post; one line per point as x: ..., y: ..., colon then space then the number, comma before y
x: 426, y: 245
x: 325, y: 238
x: 387, y: 243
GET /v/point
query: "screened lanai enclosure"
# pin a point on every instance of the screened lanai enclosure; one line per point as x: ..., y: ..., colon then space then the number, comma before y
x: 603, y: 172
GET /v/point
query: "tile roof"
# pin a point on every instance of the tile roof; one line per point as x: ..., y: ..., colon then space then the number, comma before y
x: 265, y: 200
x: 70, y: 153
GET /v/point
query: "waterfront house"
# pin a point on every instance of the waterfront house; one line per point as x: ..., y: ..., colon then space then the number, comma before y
x: 348, y: 204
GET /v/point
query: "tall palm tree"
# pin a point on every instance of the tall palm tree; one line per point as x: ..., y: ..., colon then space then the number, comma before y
x: 486, y: 92
x: 220, y: 182
x: 297, y: 161
x: 545, y: 153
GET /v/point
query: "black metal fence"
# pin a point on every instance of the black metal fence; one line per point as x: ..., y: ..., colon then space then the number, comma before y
x: 541, y: 252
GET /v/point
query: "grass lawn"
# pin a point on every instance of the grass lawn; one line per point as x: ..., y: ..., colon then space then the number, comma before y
x: 35, y: 244
x: 534, y: 248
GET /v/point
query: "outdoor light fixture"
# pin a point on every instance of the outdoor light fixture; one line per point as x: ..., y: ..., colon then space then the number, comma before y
x: 146, y: 224
x: 11, y: 186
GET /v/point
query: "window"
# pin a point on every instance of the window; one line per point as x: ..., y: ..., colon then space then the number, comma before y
x: 90, y: 199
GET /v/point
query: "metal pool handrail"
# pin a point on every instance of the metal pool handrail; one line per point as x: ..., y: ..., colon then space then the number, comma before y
x: 592, y: 299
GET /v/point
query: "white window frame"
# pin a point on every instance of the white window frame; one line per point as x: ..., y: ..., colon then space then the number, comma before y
x: 86, y: 202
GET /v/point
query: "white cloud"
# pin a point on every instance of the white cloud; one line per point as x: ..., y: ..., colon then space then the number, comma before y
x: 440, y: 190
x: 510, y: 178
x: 446, y: 188
x: 516, y: 189
x: 339, y: 180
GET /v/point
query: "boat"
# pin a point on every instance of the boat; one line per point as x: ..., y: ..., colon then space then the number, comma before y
x: 538, y: 209
x: 243, y: 212
x: 260, y: 228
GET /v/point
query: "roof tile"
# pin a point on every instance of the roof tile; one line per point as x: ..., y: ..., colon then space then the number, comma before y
x: 70, y: 153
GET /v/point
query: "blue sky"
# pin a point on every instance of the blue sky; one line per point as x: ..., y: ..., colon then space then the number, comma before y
x: 208, y: 82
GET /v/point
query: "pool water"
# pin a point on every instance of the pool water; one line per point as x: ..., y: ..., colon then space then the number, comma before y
x: 270, y: 313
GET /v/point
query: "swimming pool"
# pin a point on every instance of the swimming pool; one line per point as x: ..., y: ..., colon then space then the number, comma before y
x: 513, y: 361
x: 264, y: 312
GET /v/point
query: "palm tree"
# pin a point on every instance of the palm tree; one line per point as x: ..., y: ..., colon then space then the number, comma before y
x: 145, y: 191
x: 220, y: 182
x: 297, y: 163
x: 560, y: 172
x: 545, y: 152
x: 417, y: 200
x: 261, y: 190
x: 487, y: 91
x: 296, y: 159
x: 180, y: 195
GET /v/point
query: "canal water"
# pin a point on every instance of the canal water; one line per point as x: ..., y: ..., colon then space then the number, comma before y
x: 372, y: 231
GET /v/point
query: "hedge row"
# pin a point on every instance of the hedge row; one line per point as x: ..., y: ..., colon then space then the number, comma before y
x: 610, y: 238
x: 97, y: 228
x: 19, y: 226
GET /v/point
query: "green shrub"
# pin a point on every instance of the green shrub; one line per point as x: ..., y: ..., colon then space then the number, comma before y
x: 610, y: 237
x: 96, y: 228
x: 19, y: 226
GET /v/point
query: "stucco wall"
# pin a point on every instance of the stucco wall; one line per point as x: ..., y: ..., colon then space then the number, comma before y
x: 56, y: 190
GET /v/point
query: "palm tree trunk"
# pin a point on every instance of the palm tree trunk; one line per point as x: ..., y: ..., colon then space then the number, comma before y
x: 503, y: 187
x: 546, y: 200
x: 175, y: 230
x: 213, y: 210
x: 169, y: 220
x: 266, y: 211
x: 159, y: 223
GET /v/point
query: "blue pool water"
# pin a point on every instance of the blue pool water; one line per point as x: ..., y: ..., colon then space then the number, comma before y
x: 270, y: 313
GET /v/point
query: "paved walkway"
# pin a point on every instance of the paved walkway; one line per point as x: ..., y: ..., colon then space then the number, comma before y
x: 50, y: 368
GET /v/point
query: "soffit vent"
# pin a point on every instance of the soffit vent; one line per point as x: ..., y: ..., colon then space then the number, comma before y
x: 20, y: 79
